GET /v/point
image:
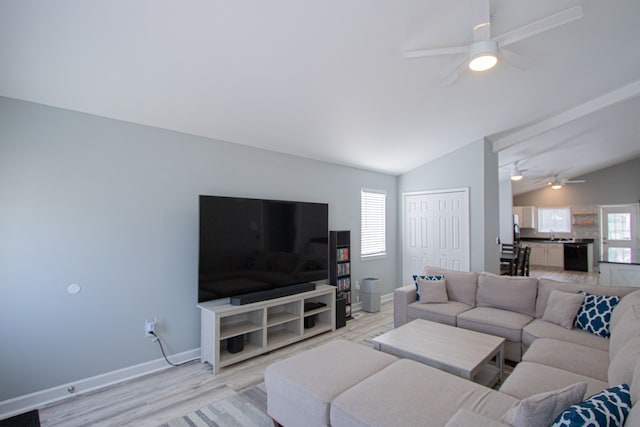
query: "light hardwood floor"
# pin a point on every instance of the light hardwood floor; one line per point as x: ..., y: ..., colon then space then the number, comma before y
x: 157, y: 398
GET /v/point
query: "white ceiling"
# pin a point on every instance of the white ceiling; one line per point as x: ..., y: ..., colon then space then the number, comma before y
x: 326, y: 79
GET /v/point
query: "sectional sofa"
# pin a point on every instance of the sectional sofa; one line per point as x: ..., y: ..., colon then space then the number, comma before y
x: 347, y: 384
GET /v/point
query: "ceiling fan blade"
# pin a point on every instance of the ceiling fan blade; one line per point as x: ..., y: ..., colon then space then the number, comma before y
x: 515, y: 60
x: 540, y: 26
x: 573, y: 181
x: 481, y: 20
x: 456, y: 74
x: 437, y: 51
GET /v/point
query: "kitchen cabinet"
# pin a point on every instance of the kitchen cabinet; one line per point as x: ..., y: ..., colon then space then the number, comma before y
x: 555, y: 255
x: 526, y: 216
x: 546, y: 254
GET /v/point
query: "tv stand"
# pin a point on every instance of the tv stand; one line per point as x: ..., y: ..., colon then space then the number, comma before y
x: 232, y: 333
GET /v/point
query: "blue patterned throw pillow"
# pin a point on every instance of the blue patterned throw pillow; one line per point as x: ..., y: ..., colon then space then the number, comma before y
x: 610, y: 407
x: 415, y: 281
x: 595, y: 313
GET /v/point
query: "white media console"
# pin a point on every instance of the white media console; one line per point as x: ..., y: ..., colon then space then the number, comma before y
x: 263, y: 326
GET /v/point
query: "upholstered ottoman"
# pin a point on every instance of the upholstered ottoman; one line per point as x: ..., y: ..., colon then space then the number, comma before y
x: 300, y: 389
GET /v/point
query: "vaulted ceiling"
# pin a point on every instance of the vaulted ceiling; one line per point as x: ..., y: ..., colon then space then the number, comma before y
x: 327, y: 80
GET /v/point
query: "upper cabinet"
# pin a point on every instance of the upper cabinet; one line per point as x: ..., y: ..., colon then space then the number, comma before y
x: 526, y: 216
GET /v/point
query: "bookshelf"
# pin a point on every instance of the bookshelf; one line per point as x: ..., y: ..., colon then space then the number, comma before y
x: 340, y: 266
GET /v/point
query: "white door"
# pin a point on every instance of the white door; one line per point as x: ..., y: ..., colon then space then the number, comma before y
x: 436, y: 231
x: 620, y: 231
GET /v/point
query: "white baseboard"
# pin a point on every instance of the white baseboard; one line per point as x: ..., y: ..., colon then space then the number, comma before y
x: 28, y: 402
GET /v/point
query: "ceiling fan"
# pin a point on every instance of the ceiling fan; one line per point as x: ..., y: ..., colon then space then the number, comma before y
x: 484, y: 51
x: 516, y: 172
x: 556, y: 183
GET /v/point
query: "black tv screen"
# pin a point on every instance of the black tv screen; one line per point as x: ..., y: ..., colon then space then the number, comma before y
x: 250, y: 245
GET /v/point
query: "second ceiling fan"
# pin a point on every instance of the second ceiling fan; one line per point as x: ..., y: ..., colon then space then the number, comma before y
x: 483, y: 53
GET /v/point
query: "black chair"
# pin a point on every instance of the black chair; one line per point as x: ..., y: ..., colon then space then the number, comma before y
x: 508, y: 259
x: 522, y: 269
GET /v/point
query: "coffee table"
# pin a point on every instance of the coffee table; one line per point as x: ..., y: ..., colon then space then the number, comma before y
x: 458, y: 351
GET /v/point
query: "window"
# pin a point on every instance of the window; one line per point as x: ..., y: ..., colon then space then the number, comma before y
x: 372, y: 223
x: 557, y: 220
x: 619, y: 226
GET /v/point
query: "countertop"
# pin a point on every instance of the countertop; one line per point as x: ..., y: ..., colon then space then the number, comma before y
x: 547, y: 240
x: 629, y: 257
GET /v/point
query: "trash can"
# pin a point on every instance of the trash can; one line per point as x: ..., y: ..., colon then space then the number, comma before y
x: 370, y: 294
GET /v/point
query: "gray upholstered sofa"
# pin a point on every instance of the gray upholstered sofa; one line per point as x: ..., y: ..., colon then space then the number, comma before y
x: 347, y: 384
x: 506, y: 306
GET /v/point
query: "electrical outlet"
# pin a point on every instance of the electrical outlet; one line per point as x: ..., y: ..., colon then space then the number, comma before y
x: 149, y: 327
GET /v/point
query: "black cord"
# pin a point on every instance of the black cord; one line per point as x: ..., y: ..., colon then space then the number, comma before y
x: 157, y: 339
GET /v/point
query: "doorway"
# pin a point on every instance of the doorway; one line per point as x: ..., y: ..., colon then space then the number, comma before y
x: 620, y: 234
x: 435, y: 231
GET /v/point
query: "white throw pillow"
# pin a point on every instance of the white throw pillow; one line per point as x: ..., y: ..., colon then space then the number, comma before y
x: 432, y: 291
x: 562, y: 308
x: 543, y: 408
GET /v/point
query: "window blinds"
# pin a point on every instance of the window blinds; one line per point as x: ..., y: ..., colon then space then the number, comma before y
x: 372, y: 223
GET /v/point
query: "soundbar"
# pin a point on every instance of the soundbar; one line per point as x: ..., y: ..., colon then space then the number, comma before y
x: 272, y: 293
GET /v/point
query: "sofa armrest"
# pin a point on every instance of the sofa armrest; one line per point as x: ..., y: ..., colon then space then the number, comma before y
x: 402, y: 297
x: 467, y: 418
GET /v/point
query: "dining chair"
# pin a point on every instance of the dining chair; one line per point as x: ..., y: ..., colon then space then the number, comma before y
x: 508, y: 259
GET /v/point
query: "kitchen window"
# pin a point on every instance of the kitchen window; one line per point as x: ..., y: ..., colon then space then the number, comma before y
x: 557, y: 220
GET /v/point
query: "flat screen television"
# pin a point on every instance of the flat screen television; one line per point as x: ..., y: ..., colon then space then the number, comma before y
x: 252, y: 245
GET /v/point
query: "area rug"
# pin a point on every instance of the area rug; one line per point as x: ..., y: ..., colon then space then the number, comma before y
x: 28, y: 419
x: 245, y: 408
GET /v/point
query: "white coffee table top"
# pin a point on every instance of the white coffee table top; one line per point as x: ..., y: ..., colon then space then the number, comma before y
x: 456, y: 350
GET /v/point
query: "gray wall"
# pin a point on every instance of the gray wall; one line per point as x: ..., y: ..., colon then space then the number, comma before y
x: 619, y: 184
x: 474, y: 166
x: 112, y: 206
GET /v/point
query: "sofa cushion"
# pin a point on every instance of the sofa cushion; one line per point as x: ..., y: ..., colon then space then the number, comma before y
x: 562, y: 308
x: 509, y: 293
x: 297, y: 394
x: 461, y: 285
x: 538, y: 328
x: 543, y: 408
x: 495, y: 321
x: 431, y: 290
x: 427, y: 277
x: 627, y: 328
x: 441, y: 313
x: 572, y: 357
x: 546, y: 285
x: 610, y: 408
x: 465, y: 417
x: 627, y: 301
x: 624, y: 363
x: 633, y: 419
x: 530, y: 378
x: 408, y: 393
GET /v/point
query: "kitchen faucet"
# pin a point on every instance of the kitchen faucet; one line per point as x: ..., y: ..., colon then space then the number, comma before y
x: 552, y: 235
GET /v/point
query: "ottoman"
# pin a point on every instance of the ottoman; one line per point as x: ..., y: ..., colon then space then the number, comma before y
x: 300, y: 389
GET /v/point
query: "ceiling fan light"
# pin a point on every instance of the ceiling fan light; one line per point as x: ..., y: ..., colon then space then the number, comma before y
x: 483, y: 55
x: 556, y: 186
x: 516, y: 173
x: 483, y: 63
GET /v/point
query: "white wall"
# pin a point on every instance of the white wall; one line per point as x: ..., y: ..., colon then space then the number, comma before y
x: 112, y: 206
x: 506, y: 211
x: 474, y: 166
